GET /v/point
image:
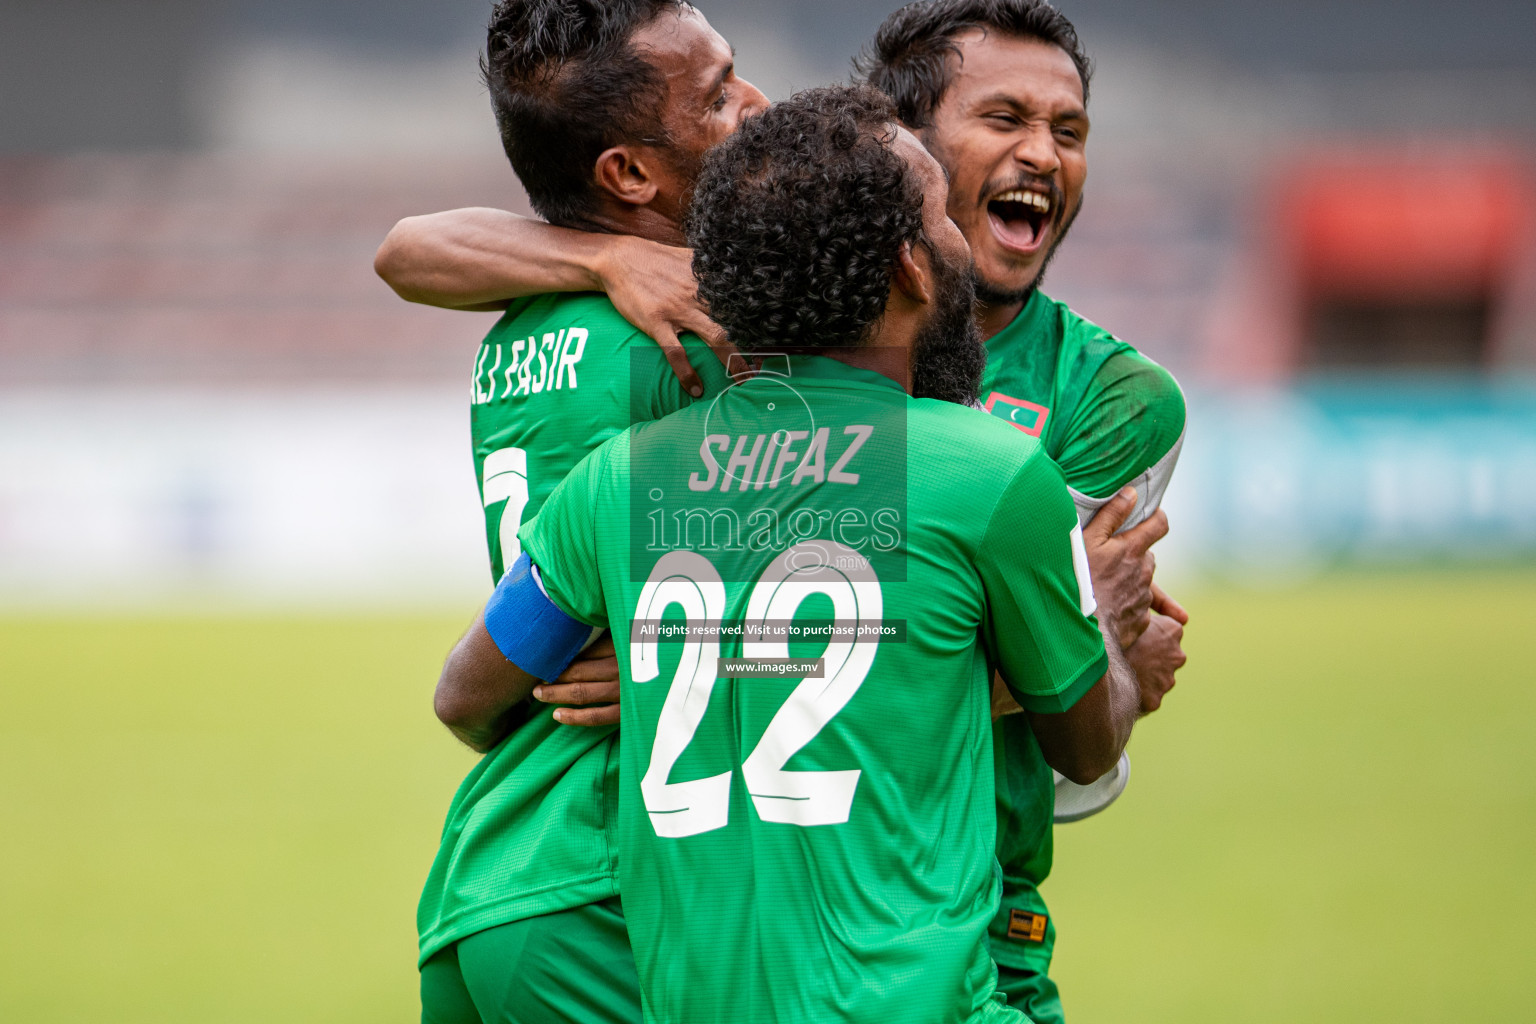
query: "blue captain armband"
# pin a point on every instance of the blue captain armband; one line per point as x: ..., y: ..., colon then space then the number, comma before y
x: 529, y: 629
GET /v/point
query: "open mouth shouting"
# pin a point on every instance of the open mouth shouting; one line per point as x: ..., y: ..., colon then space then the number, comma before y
x: 1020, y: 217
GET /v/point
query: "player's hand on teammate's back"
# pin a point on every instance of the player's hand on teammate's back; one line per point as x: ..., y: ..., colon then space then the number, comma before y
x: 653, y: 287
x: 1157, y: 656
x: 1121, y: 565
x: 592, y: 679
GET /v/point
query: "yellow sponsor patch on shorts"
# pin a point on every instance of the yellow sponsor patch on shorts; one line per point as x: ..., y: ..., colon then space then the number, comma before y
x: 1025, y: 926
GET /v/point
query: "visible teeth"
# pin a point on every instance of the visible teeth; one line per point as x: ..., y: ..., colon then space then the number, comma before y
x: 1027, y: 198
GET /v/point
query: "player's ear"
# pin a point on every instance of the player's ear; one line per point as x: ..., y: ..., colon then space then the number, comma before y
x: 913, y: 277
x: 626, y: 174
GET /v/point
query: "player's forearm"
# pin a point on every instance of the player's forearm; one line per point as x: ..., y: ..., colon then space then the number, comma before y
x: 1124, y: 704
x: 479, y: 258
x: 479, y: 690
x: 483, y: 738
x: 1085, y: 741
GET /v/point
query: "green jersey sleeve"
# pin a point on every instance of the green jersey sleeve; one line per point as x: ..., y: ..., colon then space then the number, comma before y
x: 1039, y: 624
x: 1130, y: 418
x: 665, y: 392
x: 561, y: 539
x: 1128, y: 429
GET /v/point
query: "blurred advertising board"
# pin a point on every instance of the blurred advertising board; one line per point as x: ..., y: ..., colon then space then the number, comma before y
x: 1351, y: 469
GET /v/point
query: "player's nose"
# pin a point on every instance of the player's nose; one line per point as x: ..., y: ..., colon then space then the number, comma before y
x: 1036, y: 150
x: 752, y: 101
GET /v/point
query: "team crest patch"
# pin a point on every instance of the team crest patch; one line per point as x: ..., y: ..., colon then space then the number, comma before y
x: 1025, y: 415
x: 1026, y: 927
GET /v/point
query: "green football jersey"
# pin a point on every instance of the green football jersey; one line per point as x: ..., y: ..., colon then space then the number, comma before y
x: 1109, y: 417
x: 809, y: 581
x: 527, y: 830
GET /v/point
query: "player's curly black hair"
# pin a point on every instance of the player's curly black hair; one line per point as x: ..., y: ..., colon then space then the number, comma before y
x: 797, y: 219
x: 566, y: 84
x: 909, y: 58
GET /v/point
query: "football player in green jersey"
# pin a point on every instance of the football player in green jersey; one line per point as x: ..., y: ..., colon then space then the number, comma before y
x: 1051, y: 374
x: 998, y: 90
x: 519, y: 915
x: 846, y: 871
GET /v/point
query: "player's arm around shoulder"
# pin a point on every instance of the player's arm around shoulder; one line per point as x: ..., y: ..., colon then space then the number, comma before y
x: 1063, y: 664
x: 480, y: 258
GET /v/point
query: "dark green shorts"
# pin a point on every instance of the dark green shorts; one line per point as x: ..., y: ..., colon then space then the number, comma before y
x: 577, y: 966
x: 572, y: 966
x: 1032, y: 992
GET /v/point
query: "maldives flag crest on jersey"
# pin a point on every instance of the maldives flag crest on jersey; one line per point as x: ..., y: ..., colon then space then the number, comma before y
x: 1025, y: 415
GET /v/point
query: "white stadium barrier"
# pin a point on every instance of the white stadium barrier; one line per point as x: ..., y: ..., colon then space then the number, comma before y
x: 114, y: 496
x: 365, y: 497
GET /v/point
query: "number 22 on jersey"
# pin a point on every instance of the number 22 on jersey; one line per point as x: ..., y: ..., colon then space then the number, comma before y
x: 691, y: 581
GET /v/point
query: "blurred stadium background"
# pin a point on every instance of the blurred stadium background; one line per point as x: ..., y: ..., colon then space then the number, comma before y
x: 238, y: 520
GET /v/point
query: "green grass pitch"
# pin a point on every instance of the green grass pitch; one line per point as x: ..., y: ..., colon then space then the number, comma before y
x: 1333, y: 819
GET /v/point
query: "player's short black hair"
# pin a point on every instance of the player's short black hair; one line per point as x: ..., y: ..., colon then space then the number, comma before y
x: 910, y: 57
x: 797, y: 220
x: 566, y: 84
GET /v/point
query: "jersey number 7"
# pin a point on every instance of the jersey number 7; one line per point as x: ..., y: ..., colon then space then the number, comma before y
x: 505, y: 478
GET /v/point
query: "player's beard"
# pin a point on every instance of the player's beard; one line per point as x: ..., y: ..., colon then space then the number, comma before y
x: 989, y: 294
x: 947, y: 354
